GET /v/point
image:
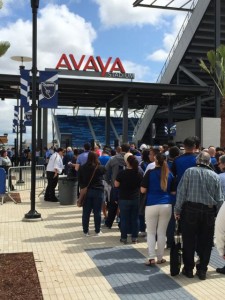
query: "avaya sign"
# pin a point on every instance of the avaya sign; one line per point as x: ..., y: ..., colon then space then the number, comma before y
x: 90, y: 66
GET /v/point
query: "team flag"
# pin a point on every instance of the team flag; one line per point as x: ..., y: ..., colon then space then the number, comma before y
x: 48, y: 89
x: 24, y: 88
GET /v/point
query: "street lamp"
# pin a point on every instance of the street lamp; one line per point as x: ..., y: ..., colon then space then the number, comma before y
x: 33, y: 215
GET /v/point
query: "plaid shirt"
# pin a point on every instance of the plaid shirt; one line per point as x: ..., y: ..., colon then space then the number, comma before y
x: 199, y: 185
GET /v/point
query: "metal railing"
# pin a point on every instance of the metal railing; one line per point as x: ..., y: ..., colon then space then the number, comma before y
x: 19, y: 178
x: 180, y: 33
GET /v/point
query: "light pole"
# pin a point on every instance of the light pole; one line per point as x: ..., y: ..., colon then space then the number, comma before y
x: 33, y: 215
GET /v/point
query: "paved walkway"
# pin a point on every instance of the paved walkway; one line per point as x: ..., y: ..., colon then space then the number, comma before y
x: 71, y: 266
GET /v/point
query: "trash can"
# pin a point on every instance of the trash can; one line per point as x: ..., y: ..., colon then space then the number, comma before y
x: 67, y: 191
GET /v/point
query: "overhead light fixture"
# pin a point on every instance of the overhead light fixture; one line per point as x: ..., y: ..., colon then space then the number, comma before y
x: 15, y: 87
x: 169, y: 94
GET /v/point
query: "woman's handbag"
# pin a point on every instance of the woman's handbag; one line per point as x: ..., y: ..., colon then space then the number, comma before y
x: 176, y: 252
x: 82, y: 196
x: 83, y: 191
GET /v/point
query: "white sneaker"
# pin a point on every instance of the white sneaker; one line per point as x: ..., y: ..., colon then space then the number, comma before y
x: 99, y: 233
x: 142, y: 234
x: 87, y: 234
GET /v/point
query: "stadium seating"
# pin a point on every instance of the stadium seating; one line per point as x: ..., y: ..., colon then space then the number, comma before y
x: 82, y: 130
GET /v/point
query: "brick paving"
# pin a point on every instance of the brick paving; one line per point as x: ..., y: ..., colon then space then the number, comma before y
x: 71, y: 266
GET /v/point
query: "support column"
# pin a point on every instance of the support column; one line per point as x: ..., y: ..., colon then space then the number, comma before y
x: 107, y: 124
x: 125, y: 118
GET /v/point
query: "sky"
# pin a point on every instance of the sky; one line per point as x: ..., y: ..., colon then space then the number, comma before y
x: 140, y: 37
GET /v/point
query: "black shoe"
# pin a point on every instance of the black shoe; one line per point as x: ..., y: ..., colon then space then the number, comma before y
x: 221, y: 270
x: 106, y: 226
x: 52, y: 200
x: 123, y: 241
x: 188, y: 274
x: 201, y: 274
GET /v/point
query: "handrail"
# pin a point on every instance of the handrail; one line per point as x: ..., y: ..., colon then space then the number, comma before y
x: 180, y: 33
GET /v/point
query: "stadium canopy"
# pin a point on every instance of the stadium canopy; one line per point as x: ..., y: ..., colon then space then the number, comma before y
x: 94, y: 93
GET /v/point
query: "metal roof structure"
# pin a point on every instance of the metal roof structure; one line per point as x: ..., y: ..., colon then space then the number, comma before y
x: 181, y: 5
x: 92, y: 93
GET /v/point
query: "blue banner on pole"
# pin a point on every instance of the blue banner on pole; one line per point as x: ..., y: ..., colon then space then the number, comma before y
x: 48, y: 89
x: 28, y: 117
x: 16, y: 115
x: 22, y: 127
x: 14, y: 128
x: 24, y: 88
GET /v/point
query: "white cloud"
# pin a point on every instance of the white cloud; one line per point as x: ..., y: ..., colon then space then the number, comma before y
x: 168, y: 40
x: 117, y: 13
x: 10, y: 7
x: 158, y: 55
x: 141, y: 72
x: 71, y: 33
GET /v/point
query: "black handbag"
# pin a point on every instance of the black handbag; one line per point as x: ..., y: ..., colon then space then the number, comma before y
x: 176, y: 251
x: 83, y: 191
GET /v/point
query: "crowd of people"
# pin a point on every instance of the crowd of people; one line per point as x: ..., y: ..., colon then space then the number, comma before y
x: 146, y: 190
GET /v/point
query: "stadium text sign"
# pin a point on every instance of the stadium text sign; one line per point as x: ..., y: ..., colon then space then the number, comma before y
x: 113, y: 69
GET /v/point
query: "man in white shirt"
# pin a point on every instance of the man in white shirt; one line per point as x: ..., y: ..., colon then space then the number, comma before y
x: 54, y: 168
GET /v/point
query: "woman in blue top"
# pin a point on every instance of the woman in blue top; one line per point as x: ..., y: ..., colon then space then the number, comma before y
x: 157, y: 183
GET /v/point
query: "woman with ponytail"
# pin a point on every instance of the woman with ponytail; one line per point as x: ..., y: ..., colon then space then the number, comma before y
x: 158, y: 184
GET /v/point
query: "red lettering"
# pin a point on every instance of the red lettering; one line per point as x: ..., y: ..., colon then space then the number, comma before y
x: 91, y: 65
x: 102, y: 67
x: 64, y: 65
x: 117, y: 66
x: 75, y: 65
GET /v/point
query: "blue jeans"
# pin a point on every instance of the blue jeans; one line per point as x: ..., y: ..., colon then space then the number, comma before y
x: 142, y: 225
x: 129, y: 223
x: 93, y: 201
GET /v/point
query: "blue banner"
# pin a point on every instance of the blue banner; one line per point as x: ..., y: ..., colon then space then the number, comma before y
x: 16, y: 115
x: 48, y: 89
x: 24, y: 88
x: 28, y: 117
x: 15, y: 127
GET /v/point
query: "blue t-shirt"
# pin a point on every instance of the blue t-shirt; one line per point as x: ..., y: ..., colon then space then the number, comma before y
x: 182, y: 163
x: 103, y: 159
x: 82, y: 158
x: 155, y: 195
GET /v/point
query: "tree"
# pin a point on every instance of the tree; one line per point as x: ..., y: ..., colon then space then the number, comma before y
x: 4, y: 46
x: 216, y: 70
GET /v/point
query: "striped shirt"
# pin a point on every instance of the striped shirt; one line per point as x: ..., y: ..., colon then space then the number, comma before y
x: 199, y: 185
